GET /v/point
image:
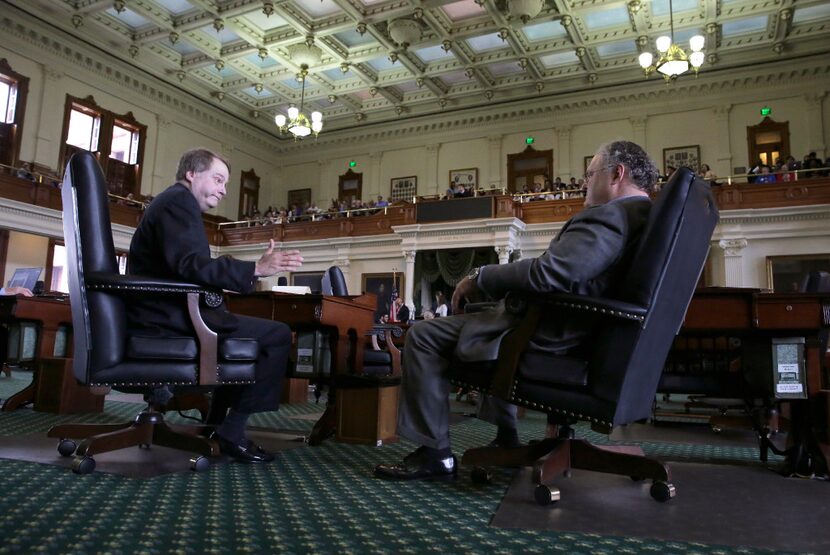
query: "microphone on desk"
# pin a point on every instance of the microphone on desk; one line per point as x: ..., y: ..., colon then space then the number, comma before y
x: 38, y: 290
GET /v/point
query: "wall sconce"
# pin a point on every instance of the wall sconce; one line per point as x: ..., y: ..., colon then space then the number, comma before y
x: 344, y: 67
x: 504, y: 32
x: 133, y: 50
x: 262, y: 53
x: 219, y: 64
x: 446, y: 44
x: 174, y: 37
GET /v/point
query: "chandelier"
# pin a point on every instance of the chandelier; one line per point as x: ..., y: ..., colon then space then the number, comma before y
x: 298, y: 123
x: 673, y: 60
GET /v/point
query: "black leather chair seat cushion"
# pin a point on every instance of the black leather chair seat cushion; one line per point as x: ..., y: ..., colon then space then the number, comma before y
x: 541, y: 368
x: 372, y: 357
x: 238, y: 349
x: 144, y: 347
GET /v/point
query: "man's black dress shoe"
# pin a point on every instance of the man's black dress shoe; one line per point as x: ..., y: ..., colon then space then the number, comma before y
x: 414, y: 467
x: 246, y: 452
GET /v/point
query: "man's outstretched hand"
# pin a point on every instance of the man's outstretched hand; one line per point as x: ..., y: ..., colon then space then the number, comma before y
x: 274, y: 262
x: 465, y: 290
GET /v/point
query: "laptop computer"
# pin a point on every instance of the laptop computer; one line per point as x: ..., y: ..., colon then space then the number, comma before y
x: 25, y: 277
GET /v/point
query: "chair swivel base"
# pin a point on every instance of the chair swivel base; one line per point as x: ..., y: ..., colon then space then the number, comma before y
x: 554, y: 456
x: 148, y: 428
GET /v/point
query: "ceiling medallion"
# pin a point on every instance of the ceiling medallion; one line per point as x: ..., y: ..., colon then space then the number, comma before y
x: 404, y: 32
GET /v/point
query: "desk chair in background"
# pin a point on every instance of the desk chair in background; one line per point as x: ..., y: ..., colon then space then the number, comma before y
x: 611, y: 381
x: 107, y: 354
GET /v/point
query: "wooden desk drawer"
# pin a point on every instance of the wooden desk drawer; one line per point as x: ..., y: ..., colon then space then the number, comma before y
x: 791, y: 313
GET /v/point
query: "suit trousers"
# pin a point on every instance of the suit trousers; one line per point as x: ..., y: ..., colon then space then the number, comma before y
x: 274, y: 340
x: 424, y: 410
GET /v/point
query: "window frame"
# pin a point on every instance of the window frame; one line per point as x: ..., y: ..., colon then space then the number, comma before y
x: 21, y: 84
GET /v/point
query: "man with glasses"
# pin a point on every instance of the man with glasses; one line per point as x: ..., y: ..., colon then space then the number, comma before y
x: 588, y: 256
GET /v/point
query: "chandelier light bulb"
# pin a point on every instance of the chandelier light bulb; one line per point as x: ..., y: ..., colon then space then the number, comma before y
x: 316, y: 126
x: 280, y: 120
x: 316, y: 116
x: 645, y: 59
x: 696, y: 59
x: 696, y: 43
x: 300, y: 131
x: 293, y: 112
x: 663, y: 43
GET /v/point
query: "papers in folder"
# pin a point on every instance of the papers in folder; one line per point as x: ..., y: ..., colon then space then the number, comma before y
x: 292, y: 289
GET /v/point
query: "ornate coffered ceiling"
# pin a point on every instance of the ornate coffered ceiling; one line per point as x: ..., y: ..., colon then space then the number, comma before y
x: 383, y: 60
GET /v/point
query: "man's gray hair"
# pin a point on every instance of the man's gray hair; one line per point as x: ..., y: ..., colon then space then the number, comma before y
x: 198, y: 160
x: 640, y: 166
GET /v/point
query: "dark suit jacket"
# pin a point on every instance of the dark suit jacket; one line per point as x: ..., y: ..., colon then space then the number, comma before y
x: 403, y: 313
x: 171, y: 243
x: 589, y: 256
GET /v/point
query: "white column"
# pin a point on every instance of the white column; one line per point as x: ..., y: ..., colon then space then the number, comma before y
x: 426, y: 294
x: 504, y: 253
x: 409, y: 279
x: 375, y: 159
x: 47, y: 143
x: 815, y: 124
x: 563, y: 138
x: 638, y: 131
x: 494, y: 177
x: 722, y: 165
x: 161, y: 178
x: 733, y: 261
x: 432, y: 182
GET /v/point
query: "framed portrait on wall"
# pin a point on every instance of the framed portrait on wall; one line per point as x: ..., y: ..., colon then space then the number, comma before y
x: 679, y: 156
x: 382, y: 285
x: 299, y: 197
x: 403, y: 188
x: 795, y: 273
x: 467, y: 177
x: 586, y: 161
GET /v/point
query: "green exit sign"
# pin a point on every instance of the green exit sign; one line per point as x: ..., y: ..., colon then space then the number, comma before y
x: 766, y: 111
x: 352, y: 164
x: 529, y: 140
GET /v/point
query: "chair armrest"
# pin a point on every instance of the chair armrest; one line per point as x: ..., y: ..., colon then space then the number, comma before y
x: 601, y: 305
x: 387, y: 331
x: 208, y: 339
x: 471, y: 308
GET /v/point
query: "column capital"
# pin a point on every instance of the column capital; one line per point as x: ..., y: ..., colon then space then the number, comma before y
x: 52, y: 73
x: 814, y: 98
x: 722, y: 110
x: 432, y: 148
x: 564, y: 130
x: 732, y: 247
x: 638, y: 121
x: 409, y: 256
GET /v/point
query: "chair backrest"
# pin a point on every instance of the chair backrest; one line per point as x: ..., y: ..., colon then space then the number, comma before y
x: 816, y: 282
x: 662, y: 277
x: 334, y: 283
x: 87, y: 233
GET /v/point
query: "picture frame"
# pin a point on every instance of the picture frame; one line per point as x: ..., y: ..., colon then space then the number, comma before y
x: 789, y: 273
x: 299, y: 197
x: 403, y: 188
x: 678, y: 156
x: 312, y: 280
x: 468, y: 177
x: 586, y: 161
x: 382, y: 284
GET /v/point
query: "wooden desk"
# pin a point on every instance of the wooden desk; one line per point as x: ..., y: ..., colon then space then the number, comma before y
x: 49, y: 313
x: 347, y: 319
x: 757, y: 317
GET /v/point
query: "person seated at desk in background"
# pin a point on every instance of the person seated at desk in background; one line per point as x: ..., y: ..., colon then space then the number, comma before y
x: 170, y: 243
x: 4, y: 333
x: 619, y: 179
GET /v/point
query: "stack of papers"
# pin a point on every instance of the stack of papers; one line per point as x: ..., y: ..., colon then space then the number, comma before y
x: 292, y: 289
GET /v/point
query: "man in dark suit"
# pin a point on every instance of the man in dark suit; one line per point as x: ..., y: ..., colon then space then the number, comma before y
x: 589, y: 256
x: 171, y: 243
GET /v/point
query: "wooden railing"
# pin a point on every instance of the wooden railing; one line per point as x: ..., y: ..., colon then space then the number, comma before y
x: 729, y: 197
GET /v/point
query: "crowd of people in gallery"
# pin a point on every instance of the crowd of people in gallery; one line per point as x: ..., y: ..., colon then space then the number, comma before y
x: 789, y: 169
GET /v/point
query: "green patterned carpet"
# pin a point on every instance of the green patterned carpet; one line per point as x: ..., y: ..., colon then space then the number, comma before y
x: 310, y: 500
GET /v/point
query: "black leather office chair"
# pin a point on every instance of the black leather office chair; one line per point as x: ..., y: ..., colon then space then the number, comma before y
x: 106, y: 353
x: 612, y: 380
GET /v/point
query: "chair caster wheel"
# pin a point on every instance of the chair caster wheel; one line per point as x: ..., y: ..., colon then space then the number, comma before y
x: 662, y: 491
x: 480, y: 475
x: 716, y: 429
x: 83, y: 465
x: 144, y: 446
x: 199, y: 464
x: 66, y: 447
x: 546, y: 496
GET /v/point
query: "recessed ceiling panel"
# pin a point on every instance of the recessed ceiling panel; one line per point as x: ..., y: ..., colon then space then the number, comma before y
x: 463, y: 10
x: 600, y: 19
x: 618, y: 48
x: 265, y: 22
x: 454, y: 77
x: 504, y: 68
x: 371, y: 2
x: 336, y: 75
x: 259, y: 62
x: 408, y: 86
x: 176, y: 7
x: 433, y: 53
x: 318, y: 8
x: 486, y: 42
x: 183, y: 47
x: 743, y: 26
x: 224, y: 36
x: 362, y: 94
x: 682, y: 36
x: 559, y: 59
x: 292, y: 83
x: 661, y: 7
x: 381, y: 64
x: 808, y: 13
x: 352, y: 38
x: 264, y: 93
x: 544, y: 31
x: 128, y: 17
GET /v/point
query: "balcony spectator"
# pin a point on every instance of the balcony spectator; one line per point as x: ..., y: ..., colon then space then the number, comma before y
x: 765, y: 175
x: 706, y: 173
x: 381, y: 203
x: 24, y: 172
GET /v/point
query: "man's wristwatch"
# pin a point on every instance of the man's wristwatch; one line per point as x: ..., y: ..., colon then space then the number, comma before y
x: 473, y: 275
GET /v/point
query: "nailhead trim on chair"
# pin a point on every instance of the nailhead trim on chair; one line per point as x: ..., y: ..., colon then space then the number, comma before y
x: 612, y: 312
x: 148, y: 384
x: 212, y: 299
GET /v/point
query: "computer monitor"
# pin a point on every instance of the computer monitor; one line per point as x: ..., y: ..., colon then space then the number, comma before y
x: 25, y: 277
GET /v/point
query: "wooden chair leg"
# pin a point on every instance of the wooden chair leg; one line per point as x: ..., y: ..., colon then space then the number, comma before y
x: 167, y: 436
x: 622, y: 460
x: 136, y: 434
x: 82, y: 431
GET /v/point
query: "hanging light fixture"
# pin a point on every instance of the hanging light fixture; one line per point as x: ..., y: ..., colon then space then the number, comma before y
x: 673, y: 60
x: 306, y: 55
